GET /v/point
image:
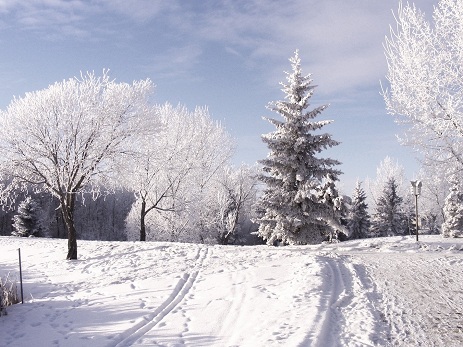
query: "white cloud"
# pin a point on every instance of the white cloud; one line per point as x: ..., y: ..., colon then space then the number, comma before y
x: 175, y: 62
x: 50, y: 18
x: 139, y: 10
x: 340, y: 41
x: 60, y: 19
x: 333, y: 37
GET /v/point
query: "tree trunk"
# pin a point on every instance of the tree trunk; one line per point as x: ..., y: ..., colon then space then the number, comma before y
x: 72, y: 243
x: 142, y: 221
x: 67, y: 208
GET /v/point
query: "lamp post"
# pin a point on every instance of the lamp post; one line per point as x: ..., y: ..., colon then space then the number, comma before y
x: 416, y: 190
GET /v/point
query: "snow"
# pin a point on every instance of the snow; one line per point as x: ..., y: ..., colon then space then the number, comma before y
x: 385, y: 291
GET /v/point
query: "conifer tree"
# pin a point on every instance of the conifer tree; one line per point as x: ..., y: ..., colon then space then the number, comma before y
x: 359, y: 219
x: 27, y: 222
x: 453, y: 211
x: 337, y: 209
x: 389, y: 218
x: 292, y: 210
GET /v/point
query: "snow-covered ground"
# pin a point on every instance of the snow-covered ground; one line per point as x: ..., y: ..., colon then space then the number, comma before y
x: 374, y: 292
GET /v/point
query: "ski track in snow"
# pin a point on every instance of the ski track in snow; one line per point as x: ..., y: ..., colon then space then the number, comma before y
x: 179, y: 294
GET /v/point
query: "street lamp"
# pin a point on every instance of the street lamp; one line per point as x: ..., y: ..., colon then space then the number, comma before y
x: 416, y: 190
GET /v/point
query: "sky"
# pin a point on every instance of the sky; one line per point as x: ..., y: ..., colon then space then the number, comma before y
x: 227, y: 55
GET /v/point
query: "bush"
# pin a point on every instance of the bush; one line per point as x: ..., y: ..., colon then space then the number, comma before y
x: 8, y: 294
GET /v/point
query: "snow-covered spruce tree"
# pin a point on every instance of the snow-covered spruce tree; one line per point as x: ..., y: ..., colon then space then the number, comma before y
x: 388, y: 168
x: 359, y: 220
x: 389, y: 218
x: 337, y: 209
x: 291, y: 209
x: 453, y: 211
x: 28, y: 221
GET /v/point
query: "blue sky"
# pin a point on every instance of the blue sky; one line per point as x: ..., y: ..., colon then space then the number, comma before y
x: 227, y: 55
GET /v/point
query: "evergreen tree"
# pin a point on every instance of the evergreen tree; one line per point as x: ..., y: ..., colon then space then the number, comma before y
x: 359, y: 219
x: 337, y: 209
x: 291, y: 208
x: 453, y: 211
x: 389, y: 218
x: 27, y: 222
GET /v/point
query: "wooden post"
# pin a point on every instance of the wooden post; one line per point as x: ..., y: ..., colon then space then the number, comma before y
x: 21, y: 276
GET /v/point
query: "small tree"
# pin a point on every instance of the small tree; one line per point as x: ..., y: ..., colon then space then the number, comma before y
x: 337, y: 209
x: 359, y: 218
x: 291, y: 209
x: 8, y: 294
x: 388, y: 168
x: 453, y: 211
x: 28, y: 221
x: 389, y: 218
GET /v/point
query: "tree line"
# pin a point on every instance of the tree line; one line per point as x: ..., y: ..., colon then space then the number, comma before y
x: 101, y: 155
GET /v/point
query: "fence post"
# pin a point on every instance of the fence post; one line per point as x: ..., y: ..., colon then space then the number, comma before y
x: 2, y: 309
x: 21, y: 276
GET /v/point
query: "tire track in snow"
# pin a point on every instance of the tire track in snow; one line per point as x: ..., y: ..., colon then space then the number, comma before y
x: 346, y: 315
x: 181, y: 290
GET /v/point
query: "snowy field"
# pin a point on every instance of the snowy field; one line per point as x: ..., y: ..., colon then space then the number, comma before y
x: 375, y: 292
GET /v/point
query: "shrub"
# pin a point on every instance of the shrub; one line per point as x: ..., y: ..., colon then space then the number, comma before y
x: 8, y: 294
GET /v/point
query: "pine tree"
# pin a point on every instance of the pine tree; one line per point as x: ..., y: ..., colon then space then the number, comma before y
x: 453, y: 211
x: 389, y: 218
x: 291, y: 209
x: 359, y: 219
x: 27, y: 222
x: 337, y: 209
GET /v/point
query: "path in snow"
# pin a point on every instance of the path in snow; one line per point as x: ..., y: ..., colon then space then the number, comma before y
x: 422, y: 297
x: 349, y: 315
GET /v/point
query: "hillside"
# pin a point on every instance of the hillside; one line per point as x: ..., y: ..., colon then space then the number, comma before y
x: 388, y: 291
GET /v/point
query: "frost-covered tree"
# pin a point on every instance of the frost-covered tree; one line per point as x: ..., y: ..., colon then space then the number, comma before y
x: 233, y: 205
x: 389, y: 218
x: 337, y: 209
x: 388, y: 168
x: 432, y: 199
x: 291, y: 208
x: 425, y: 73
x: 453, y: 211
x: 359, y: 219
x: 65, y: 139
x: 171, y: 173
x: 28, y: 221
